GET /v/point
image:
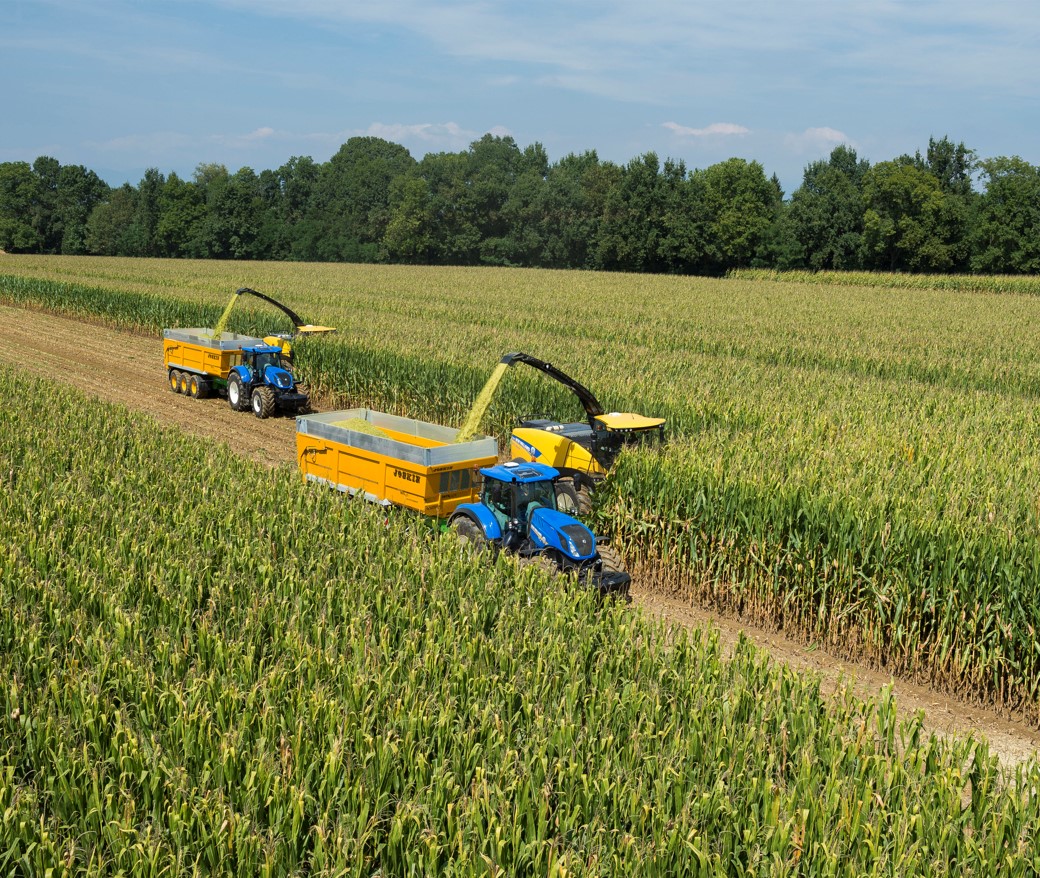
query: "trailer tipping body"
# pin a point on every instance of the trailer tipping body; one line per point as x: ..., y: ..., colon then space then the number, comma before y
x: 392, y: 460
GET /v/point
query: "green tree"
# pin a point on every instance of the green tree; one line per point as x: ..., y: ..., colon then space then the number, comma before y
x: 571, y: 212
x: 409, y: 233
x: 631, y: 226
x: 79, y: 192
x: 350, y: 199
x: 18, y: 195
x: 1006, y: 233
x: 910, y: 224
x: 740, y: 205
x: 109, y: 229
x: 825, y: 216
x: 44, y: 215
x: 181, y: 218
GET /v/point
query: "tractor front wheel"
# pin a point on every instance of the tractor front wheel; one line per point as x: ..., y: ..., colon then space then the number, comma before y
x: 263, y: 402
x: 611, y: 560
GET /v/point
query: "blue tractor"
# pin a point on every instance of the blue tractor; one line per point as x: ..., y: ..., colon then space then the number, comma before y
x: 517, y: 513
x: 262, y: 382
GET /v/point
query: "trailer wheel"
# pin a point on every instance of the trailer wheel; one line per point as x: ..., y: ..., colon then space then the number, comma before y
x: 236, y: 394
x: 198, y: 387
x: 471, y: 537
x: 263, y: 402
x: 175, y: 380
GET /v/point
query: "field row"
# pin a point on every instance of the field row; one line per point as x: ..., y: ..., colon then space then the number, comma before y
x: 212, y: 667
x: 855, y: 464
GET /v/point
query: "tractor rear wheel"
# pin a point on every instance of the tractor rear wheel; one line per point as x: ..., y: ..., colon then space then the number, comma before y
x: 471, y: 537
x: 175, y: 380
x: 236, y: 393
x: 263, y: 402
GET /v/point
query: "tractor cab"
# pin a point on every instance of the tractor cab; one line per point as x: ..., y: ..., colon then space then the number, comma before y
x: 267, y: 366
x: 512, y: 493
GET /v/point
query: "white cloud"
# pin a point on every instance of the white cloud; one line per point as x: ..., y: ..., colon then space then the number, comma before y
x: 816, y: 139
x: 715, y: 129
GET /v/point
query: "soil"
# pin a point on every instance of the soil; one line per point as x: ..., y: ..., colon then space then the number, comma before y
x: 124, y: 367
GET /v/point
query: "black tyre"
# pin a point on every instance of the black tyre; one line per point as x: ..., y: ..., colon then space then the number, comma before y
x: 237, y: 397
x: 175, y: 380
x: 611, y: 560
x: 263, y: 402
x: 470, y: 535
x: 201, y: 388
x: 184, y: 383
x: 193, y: 386
x: 544, y: 562
x: 573, y: 500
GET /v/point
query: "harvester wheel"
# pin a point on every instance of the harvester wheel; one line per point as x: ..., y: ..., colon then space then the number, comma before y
x: 611, y: 560
x: 175, y: 380
x: 573, y: 500
x: 236, y: 394
x: 470, y: 535
x: 184, y: 383
x: 263, y: 402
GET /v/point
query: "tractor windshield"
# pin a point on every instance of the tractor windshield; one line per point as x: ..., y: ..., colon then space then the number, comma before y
x: 267, y: 359
x: 531, y: 495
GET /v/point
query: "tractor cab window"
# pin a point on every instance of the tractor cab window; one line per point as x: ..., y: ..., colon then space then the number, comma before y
x: 267, y: 359
x: 531, y: 495
x: 497, y: 499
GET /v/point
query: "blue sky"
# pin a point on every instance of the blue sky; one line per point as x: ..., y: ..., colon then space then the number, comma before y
x: 122, y: 86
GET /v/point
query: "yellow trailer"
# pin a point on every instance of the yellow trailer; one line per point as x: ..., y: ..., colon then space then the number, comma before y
x: 188, y: 352
x: 392, y: 460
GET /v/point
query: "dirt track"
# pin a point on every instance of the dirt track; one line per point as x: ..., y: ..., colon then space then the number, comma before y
x: 61, y: 349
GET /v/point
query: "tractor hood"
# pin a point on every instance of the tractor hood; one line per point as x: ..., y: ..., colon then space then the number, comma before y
x: 276, y: 376
x: 554, y: 529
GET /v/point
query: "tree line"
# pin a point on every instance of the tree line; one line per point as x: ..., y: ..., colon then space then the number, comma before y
x: 497, y: 204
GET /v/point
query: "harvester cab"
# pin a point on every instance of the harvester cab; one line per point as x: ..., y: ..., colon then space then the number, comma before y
x: 518, y: 514
x: 583, y: 453
x: 262, y: 382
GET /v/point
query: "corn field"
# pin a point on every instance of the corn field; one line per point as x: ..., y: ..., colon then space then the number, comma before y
x: 853, y: 462
x: 211, y: 668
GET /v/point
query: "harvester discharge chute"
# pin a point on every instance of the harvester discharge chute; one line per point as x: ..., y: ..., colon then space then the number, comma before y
x: 583, y: 453
x: 299, y: 327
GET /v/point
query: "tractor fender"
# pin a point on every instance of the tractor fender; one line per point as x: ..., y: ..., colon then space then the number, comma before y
x: 552, y: 529
x: 243, y: 372
x: 482, y: 516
